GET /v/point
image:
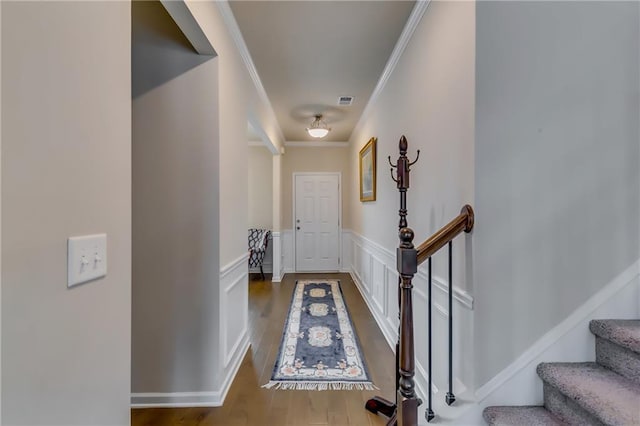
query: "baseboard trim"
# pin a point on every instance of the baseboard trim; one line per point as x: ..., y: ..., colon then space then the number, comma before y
x: 175, y: 399
x: 193, y: 399
x: 266, y: 267
x: 232, y: 367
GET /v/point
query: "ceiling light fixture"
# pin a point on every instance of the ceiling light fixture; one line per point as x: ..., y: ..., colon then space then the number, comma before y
x: 318, y: 128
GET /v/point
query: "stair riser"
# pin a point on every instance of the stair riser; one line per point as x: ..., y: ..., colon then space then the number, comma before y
x: 566, y: 409
x: 621, y: 360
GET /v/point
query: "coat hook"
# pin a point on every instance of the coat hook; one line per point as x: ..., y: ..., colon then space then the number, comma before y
x: 416, y: 160
x: 394, y: 179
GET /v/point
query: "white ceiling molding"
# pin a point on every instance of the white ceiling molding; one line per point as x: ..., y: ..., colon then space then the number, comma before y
x: 232, y: 25
x: 412, y: 23
x: 268, y: 147
x: 257, y: 143
x: 265, y: 140
x: 316, y: 144
x: 182, y: 16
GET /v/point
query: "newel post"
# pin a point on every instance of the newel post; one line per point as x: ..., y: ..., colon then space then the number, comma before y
x: 407, y: 265
x: 408, y: 403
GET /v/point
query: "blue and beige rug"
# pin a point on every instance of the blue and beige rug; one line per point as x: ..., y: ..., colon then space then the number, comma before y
x: 319, y: 349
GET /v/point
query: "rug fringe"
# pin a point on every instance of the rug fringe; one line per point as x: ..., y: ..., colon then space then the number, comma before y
x: 320, y: 386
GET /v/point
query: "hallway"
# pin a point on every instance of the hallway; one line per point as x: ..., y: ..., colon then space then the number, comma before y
x: 248, y: 404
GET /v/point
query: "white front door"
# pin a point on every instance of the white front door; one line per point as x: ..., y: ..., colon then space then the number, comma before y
x: 317, y: 222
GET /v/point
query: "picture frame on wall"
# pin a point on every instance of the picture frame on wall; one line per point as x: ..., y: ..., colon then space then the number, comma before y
x: 368, y: 171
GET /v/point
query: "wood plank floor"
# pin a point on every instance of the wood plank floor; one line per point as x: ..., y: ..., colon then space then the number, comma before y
x: 248, y: 404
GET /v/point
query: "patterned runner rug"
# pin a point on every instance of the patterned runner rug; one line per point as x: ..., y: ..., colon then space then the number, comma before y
x: 319, y: 349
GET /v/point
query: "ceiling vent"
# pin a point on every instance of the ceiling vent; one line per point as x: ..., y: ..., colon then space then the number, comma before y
x: 345, y: 100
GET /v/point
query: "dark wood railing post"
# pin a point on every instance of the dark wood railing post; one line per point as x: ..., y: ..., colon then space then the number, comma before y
x: 408, y: 403
x: 405, y: 410
x: 378, y: 404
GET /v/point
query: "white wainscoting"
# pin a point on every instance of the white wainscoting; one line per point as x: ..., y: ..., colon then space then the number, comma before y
x: 288, y: 261
x: 345, y: 263
x: 234, y: 317
x: 373, y: 268
x: 276, y: 269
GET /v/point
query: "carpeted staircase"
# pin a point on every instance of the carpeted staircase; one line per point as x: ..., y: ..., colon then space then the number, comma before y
x: 605, y: 392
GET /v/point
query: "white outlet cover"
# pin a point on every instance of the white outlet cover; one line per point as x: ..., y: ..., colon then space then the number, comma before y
x: 86, y: 258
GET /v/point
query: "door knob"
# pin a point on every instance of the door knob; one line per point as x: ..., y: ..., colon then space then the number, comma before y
x: 298, y: 228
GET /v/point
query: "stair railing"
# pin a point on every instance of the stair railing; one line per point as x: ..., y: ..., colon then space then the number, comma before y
x: 463, y: 222
x: 405, y: 410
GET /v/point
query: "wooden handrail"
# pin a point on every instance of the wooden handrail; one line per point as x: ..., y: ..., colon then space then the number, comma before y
x: 463, y: 222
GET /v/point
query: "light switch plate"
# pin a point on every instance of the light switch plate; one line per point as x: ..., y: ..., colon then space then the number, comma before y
x: 86, y: 258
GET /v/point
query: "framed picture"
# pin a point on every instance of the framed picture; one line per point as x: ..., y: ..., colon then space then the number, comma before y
x: 368, y: 171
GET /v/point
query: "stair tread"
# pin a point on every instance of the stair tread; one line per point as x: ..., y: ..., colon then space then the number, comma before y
x: 604, y: 394
x: 520, y: 416
x: 625, y: 333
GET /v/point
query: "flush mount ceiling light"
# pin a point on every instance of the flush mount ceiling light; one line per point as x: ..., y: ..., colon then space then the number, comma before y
x: 318, y: 128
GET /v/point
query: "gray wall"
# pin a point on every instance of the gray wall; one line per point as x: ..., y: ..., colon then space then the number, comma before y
x: 175, y: 209
x: 66, y: 170
x: 238, y: 100
x: 260, y: 187
x: 557, y: 165
x: 429, y: 98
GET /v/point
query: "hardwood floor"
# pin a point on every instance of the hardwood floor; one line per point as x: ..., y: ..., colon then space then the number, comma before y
x: 248, y: 404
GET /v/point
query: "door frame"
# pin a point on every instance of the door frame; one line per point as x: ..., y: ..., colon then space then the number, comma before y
x: 293, y: 218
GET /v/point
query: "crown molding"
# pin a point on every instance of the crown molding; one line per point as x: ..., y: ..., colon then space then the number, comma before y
x: 236, y: 35
x: 409, y: 28
x: 316, y: 144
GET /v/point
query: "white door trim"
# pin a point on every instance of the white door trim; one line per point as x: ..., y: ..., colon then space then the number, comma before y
x: 293, y: 218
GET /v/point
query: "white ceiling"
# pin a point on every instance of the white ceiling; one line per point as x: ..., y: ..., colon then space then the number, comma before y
x: 308, y: 53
